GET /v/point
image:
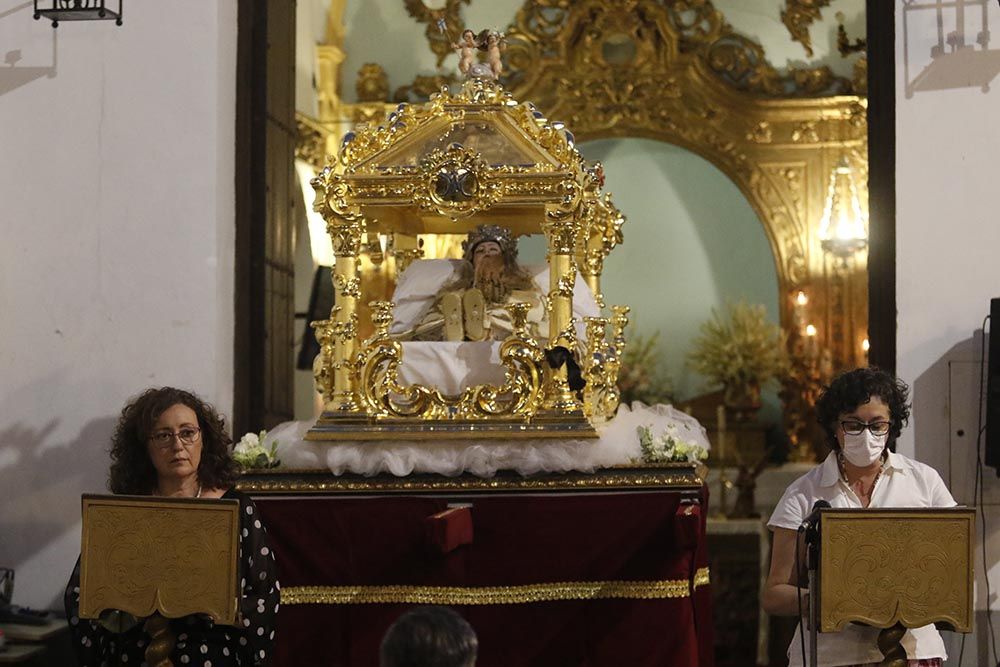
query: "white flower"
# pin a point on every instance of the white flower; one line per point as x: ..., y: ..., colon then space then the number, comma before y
x: 669, y: 446
x: 250, y: 452
x: 247, y: 443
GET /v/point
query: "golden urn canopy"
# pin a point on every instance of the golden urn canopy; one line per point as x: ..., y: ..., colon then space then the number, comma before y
x: 444, y: 167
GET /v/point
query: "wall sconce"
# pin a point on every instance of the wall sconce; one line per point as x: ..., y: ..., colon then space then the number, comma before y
x: 842, y: 227
x: 79, y: 10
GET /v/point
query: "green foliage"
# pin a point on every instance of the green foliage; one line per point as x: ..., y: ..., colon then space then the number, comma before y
x: 739, y: 348
x: 669, y: 447
x: 642, y: 376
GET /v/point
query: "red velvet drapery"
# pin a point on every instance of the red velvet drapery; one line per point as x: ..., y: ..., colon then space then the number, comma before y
x: 518, y: 540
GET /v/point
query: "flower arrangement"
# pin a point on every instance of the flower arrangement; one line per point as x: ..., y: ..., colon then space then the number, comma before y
x: 668, y: 447
x: 642, y: 377
x: 740, y: 349
x: 250, y: 452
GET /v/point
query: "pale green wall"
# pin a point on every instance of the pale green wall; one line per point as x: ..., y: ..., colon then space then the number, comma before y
x: 691, y: 242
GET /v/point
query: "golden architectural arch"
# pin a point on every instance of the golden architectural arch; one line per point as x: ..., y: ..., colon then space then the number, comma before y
x: 647, y: 69
x: 673, y: 71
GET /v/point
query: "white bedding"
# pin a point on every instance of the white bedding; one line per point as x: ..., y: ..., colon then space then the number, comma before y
x: 617, y: 444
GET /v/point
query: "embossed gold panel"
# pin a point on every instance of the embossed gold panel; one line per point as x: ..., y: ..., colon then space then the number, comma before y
x: 169, y: 556
x: 912, y: 566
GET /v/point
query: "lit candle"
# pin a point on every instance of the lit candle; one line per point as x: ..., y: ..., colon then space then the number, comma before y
x: 799, y: 310
x: 811, y: 340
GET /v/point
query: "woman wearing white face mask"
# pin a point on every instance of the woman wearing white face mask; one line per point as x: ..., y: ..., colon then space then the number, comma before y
x: 862, y: 412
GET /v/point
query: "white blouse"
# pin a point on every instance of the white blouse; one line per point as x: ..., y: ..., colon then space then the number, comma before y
x: 903, y: 483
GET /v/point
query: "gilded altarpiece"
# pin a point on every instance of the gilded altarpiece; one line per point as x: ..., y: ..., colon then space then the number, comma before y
x: 677, y: 72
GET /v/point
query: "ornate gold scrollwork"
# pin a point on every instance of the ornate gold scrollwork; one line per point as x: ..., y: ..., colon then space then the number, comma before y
x: 311, y: 143
x: 439, y: 40
x: 372, y: 84
x: 458, y: 183
x: 594, y: 364
x: 476, y: 152
x: 405, y: 257
x: 798, y: 15
x: 323, y: 363
x: 383, y: 396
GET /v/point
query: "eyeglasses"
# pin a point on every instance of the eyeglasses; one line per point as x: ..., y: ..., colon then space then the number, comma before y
x: 853, y: 427
x: 164, y: 439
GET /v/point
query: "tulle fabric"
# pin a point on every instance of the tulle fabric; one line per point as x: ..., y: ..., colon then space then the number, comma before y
x: 616, y: 445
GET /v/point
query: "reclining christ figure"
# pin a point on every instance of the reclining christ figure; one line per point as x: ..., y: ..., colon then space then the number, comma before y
x: 470, y: 307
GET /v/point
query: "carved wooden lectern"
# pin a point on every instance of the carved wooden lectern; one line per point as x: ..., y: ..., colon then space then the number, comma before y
x: 896, y: 569
x: 157, y: 559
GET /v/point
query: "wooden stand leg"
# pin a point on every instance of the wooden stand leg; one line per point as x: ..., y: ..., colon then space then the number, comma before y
x: 161, y: 643
x: 892, y: 650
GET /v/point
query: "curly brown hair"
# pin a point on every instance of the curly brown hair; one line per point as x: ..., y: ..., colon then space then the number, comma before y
x: 856, y: 387
x: 132, y: 471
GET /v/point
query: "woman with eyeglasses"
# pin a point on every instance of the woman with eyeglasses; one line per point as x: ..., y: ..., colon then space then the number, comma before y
x: 862, y: 412
x: 168, y: 442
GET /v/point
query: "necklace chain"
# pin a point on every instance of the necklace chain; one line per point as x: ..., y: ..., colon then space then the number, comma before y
x: 878, y: 474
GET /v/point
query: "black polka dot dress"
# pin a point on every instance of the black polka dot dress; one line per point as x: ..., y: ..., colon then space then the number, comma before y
x: 199, y: 641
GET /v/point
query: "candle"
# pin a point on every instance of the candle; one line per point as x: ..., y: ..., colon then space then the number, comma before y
x: 811, y: 340
x: 799, y: 310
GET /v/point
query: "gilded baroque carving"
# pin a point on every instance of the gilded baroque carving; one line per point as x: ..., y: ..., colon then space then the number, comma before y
x: 805, y: 133
x: 910, y: 566
x: 672, y: 70
x: 458, y: 183
x: 798, y: 15
x: 311, y: 143
x: 383, y: 395
x: 372, y: 84
x: 422, y: 87
x: 438, y: 22
x: 421, y: 166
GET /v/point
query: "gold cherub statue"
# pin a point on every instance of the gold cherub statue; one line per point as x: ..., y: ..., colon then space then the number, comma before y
x: 490, y: 41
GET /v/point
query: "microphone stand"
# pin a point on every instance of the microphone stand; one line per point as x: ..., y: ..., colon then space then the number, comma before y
x: 812, y: 563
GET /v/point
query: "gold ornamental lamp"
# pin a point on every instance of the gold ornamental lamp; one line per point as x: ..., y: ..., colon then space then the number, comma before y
x: 461, y: 160
x: 842, y: 227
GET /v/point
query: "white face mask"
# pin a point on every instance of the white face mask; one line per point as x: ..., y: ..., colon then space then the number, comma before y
x: 864, y: 448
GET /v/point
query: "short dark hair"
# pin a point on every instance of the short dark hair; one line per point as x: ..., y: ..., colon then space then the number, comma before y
x: 429, y: 636
x: 856, y: 387
x: 132, y: 471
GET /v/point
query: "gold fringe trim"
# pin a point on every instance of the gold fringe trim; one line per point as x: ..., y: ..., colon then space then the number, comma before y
x: 493, y: 595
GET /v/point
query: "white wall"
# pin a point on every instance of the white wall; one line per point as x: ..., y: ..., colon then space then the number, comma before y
x: 116, y: 249
x: 948, y: 236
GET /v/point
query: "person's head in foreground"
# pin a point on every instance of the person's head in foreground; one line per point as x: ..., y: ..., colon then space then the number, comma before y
x: 168, y: 440
x: 429, y: 637
x: 863, y: 412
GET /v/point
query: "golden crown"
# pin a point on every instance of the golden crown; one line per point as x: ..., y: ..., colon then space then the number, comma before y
x: 495, y: 233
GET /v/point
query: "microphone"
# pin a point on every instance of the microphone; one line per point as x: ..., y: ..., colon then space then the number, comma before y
x: 814, y: 515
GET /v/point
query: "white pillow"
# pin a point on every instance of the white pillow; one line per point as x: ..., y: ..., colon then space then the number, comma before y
x: 416, y: 288
x: 584, y: 304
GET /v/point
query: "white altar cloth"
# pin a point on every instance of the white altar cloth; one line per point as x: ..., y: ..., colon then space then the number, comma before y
x: 617, y: 444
